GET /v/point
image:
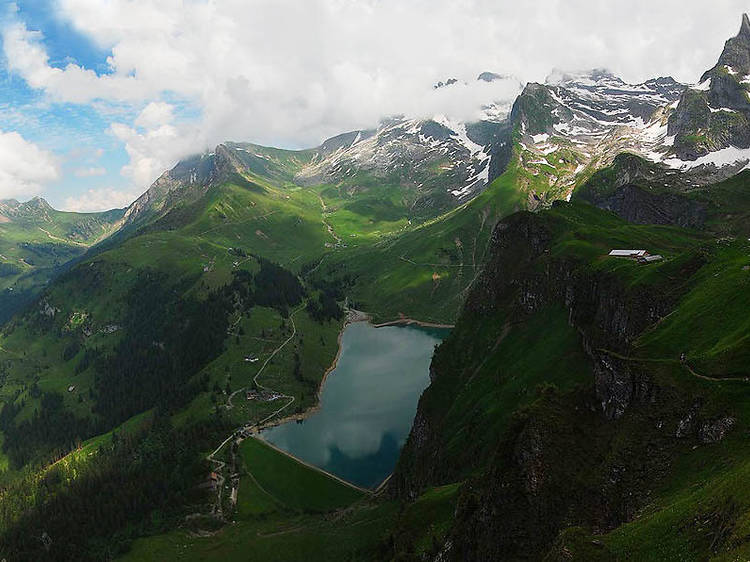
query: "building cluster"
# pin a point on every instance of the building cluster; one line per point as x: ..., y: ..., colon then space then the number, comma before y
x: 263, y: 395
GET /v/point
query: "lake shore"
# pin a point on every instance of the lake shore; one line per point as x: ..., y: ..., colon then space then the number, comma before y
x: 352, y: 316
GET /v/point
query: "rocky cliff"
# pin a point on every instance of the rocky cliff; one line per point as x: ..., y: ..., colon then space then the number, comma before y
x: 587, y: 455
x: 715, y: 114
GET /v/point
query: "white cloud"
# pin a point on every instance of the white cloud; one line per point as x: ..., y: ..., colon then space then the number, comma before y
x: 89, y: 172
x: 155, y: 114
x: 101, y: 199
x: 154, y: 150
x: 290, y: 73
x: 24, y: 167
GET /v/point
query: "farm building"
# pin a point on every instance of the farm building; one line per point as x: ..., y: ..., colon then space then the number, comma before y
x: 641, y: 256
x: 628, y: 253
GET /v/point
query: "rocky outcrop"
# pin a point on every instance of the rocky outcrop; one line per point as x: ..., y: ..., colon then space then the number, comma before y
x: 636, y: 205
x: 643, y: 193
x: 590, y: 457
x: 716, y: 114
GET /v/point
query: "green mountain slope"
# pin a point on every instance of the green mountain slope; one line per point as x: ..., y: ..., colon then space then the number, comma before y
x: 580, y: 397
x: 584, y: 407
x: 37, y: 240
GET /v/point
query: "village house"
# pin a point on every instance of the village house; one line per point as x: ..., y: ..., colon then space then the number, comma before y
x: 641, y: 256
x: 633, y: 254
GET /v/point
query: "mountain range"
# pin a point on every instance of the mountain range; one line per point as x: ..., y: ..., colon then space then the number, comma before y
x: 584, y: 407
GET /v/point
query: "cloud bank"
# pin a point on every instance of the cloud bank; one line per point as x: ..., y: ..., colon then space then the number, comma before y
x: 290, y: 73
x: 24, y: 167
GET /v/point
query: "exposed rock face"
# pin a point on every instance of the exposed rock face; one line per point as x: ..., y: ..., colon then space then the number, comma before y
x: 188, y: 180
x: 715, y: 430
x: 577, y: 121
x: 643, y: 193
x: 638, y: 206
x: 410, y: 149
x: 716, y: 114
x: 551, y: 469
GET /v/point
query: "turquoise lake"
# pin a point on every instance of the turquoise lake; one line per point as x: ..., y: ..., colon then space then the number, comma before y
x: 367, y: 403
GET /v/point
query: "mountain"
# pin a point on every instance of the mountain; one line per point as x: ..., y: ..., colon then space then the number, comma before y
x: 594, y: 408
x: 434, y: 162
x: 578, y: 122
x: 427, y: 166
x: 37, y: 240
x: 584, y: 407
x: 713, y: 116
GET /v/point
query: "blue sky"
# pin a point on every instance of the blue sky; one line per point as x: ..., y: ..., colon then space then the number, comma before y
x: 89, y: 156
x: 99, y: 97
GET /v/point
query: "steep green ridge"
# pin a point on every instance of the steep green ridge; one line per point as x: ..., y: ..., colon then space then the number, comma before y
x: 36, y: 241
x: 564, y: 400
x: 425, y: 271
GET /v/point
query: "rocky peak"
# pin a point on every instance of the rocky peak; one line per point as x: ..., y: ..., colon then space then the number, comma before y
x: 491, y: 77
x: 187, y: 180
x: 735, y: 58
x: 715, y: 114
x: 448, y: 82
x: 35, y: 208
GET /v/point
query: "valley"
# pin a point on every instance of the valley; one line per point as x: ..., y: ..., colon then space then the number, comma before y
x: 407, y: 343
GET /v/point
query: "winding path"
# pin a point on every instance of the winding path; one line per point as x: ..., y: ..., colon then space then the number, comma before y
x: 237, y: 434
x: 326, y: 223
x: 684, y: 364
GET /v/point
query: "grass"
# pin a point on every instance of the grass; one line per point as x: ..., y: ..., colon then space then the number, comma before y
x: 475, y: 400
x: 36, y: 243
x: 421, y: 266
x: 292, y: 484
x: 281, y: 515
x: 353, y: 536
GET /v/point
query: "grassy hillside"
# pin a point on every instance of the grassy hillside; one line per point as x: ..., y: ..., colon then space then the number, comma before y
x: 641, y: 458
x: 163, y: 318
x: 144, y: 350
x: 425, y: 271
x: 37, y: 241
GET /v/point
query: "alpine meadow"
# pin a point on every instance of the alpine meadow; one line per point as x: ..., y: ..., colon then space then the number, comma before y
x: 503, y: 316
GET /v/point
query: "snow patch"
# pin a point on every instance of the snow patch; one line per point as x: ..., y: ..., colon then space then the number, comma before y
x: 724, y: 157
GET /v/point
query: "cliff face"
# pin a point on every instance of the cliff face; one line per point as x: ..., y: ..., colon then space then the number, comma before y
x: 714, y: 114
x: 642, y: 193
x: 588, y: 456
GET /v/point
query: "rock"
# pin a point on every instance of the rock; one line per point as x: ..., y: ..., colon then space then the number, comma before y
x: 697, y: 123
x: 715, y: 430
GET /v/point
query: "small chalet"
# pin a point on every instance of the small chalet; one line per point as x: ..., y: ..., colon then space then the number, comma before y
x: 641, y: 256
x: 632, y: 254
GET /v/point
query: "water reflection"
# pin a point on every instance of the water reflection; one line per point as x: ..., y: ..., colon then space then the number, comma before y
x: 367, y: 404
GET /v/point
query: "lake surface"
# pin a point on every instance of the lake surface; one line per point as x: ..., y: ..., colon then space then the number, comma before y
x: 367, y: 404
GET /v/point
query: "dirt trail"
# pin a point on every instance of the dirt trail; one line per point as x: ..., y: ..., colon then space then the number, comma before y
x: 238, y: 434
x: 684, y: 364
x: 326, y: 223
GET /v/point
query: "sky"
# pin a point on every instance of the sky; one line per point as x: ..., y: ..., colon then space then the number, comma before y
x: 99, y: 97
